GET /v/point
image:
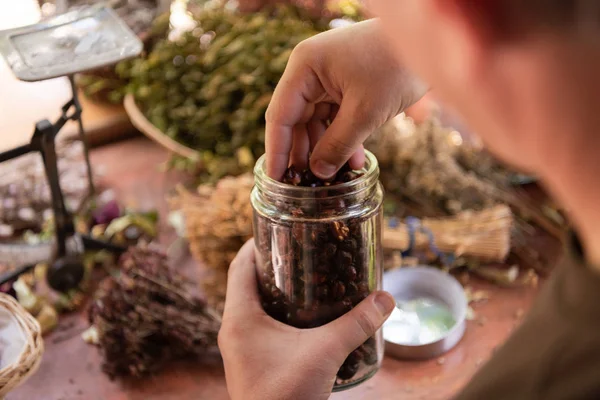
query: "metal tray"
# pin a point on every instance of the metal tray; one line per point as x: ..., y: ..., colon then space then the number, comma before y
x: 74, y: 42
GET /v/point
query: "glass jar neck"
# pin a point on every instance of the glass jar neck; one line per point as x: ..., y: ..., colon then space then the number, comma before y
x: 272, y: 197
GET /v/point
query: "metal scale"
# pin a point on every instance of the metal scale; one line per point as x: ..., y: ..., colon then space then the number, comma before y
x: 64, y: 45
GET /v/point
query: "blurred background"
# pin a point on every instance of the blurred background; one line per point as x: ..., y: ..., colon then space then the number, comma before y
x: 173, y: 136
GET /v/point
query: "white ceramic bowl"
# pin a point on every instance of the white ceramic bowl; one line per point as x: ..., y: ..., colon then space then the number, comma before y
x: 411, y: 283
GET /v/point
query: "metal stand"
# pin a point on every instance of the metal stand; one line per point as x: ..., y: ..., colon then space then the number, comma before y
x: 66, y: 269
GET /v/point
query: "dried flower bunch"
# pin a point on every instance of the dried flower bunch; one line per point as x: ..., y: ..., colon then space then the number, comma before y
x: 218, y: 221
x: 428, y: 170
x: 418, y: 162
x: 144, y: 317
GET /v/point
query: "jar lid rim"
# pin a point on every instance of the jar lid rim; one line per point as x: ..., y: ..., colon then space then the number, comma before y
x: 262, y: 179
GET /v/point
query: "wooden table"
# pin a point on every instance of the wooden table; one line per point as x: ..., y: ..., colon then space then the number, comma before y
x: 71, y: 368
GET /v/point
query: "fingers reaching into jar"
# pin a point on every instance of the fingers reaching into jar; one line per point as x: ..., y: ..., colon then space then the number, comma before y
x: 266, y: 359
x: 331, y: 97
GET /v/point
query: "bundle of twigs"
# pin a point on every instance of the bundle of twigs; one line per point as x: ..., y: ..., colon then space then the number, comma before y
x: 484, y: 235
x: 218, y: 221
x: 143, y: 317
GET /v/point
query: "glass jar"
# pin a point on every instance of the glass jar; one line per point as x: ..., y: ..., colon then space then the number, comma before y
x: 319, y: 253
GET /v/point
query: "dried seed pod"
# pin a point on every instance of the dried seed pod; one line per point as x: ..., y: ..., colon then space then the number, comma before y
x: 352, y: 289
x: 340, y: 230
x: 350, y: 273
x: 329, y: 250
x: 322, y: 292
x: 349, y: 244
x: 363, y: 288
x: 292, y: 176
x: 350, y: 367
x: 344, y: 259
x: 338, y: 290
x: 369, y: 351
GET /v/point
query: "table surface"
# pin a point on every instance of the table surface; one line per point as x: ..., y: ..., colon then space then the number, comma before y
x: 71, y: 368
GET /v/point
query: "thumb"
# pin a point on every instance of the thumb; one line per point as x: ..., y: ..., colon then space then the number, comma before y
x: 359, y: 324
x: 352, y: 125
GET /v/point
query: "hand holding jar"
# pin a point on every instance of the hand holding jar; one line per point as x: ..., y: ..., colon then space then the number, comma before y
x: 267, y: 360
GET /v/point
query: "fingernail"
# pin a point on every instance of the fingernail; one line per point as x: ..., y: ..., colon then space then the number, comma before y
x: 323, y: 169
x: 385, y: 303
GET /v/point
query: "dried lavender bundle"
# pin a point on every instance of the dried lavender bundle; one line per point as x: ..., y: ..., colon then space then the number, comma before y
x: 145, y: 318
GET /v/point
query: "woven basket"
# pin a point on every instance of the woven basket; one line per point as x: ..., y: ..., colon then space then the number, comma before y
x: 26, y: 333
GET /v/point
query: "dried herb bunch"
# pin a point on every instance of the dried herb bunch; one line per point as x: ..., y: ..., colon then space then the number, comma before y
x: 144, y: 317
x: 320, y: 264
x: 218, y: 221
x: 430, y: 173
x: 210, y: 88
x: 484, y: 235
x: 418, y: 162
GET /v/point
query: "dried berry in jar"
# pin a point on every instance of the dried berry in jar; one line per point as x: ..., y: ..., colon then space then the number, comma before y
x: 320, y: 251
x: 306, y: 178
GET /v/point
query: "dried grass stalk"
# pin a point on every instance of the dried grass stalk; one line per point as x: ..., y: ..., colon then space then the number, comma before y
x: 485, y: 235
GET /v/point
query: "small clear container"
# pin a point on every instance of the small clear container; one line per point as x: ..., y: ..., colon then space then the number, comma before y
x: 319, y: 253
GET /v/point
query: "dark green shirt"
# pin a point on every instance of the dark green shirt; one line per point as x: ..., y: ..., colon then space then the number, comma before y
x: 555, y: 354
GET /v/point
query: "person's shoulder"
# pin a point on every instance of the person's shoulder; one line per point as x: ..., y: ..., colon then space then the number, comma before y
x: 555, y: 353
